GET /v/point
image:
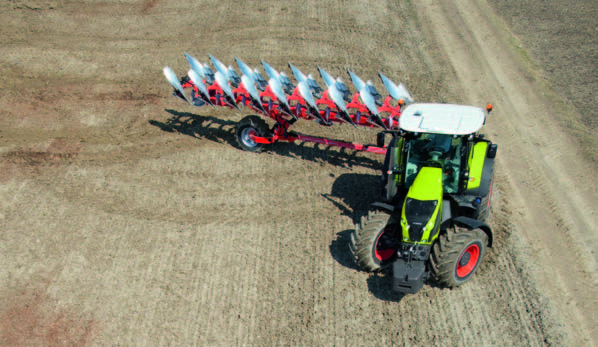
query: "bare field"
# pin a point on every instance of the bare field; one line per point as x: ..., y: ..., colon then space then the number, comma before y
x: 561, y: 38
x: 130, y: 218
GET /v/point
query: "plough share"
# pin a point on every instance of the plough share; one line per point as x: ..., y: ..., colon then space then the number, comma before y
x: 285, y: 102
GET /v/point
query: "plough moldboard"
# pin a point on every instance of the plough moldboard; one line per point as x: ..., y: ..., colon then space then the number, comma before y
x: 285, y: 102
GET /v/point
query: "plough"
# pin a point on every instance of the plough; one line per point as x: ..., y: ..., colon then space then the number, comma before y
x: 285, y: 102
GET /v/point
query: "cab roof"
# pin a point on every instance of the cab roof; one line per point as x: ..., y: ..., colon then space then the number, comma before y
x: 447, y: 119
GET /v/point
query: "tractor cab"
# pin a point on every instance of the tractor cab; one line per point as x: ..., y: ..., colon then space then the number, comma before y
x: 436, y: 181
x: 436, y: 150
x: 435, y: 135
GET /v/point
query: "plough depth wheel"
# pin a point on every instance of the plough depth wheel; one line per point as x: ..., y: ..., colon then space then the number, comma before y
x: 249, y: 127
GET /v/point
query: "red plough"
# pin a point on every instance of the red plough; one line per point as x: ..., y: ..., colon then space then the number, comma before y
x: 285, y: 103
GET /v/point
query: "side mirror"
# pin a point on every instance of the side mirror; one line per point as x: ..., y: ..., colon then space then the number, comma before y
x: 492, y: 151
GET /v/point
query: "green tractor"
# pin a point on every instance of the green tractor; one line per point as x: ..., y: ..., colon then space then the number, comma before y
x: 436, y: 188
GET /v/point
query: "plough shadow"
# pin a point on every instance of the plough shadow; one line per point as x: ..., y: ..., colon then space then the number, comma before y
x: 223, y: 131
x: 318, y: 153
x: 206, y: 127
x: 352, y: 194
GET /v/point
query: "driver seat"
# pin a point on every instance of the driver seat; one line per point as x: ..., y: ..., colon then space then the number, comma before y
x: 438, y: 143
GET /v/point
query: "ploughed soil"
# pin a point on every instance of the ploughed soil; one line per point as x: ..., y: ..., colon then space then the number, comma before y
x: 130, y: 218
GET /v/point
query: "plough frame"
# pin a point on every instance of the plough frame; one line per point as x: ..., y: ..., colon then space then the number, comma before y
x: 285, y: 108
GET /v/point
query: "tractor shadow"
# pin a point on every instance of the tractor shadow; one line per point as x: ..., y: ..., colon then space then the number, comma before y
x: 223, y: 131
x: 352, y: 194
x: 379, y: 284
x: 340, y: 250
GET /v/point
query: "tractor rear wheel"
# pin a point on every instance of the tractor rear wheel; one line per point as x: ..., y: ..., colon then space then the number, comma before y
x: 247, y: 128
x: 457, y: 255
x: 374, y: 242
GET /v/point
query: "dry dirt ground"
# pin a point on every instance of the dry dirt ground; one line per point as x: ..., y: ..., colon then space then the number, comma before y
x: 130, y: 218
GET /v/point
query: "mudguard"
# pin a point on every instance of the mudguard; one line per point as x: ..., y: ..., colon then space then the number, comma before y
x: 385, y: 207
x: 474, y: 224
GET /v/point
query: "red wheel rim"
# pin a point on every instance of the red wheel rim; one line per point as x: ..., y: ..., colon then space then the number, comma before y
x: 381, y: 249
x: 468, y: 260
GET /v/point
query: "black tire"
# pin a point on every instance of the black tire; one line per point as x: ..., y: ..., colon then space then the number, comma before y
x: 373, y: 242
x: 251, y: 125
x: 457, y: 255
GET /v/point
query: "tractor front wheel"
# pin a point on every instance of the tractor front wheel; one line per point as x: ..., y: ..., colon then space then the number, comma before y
x: 249, y: 127
x: 457, y: 255
x: 374, y: 242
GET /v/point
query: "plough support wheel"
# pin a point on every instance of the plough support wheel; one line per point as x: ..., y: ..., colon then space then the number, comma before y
x: 249, y: 127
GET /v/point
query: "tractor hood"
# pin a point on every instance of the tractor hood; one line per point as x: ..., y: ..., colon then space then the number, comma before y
x: 423, y: 205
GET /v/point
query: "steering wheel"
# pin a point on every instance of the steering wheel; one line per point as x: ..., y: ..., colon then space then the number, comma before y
x: 435, y: 153
x: 436, y: 149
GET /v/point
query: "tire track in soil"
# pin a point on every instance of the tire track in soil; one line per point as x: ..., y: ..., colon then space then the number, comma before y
x: 516, y: 290
x: 539, y: 136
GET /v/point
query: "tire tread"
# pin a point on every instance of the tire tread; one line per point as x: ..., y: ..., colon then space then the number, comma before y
x: 259, y: 125
x: 446, y: 251
x: 364, y: 237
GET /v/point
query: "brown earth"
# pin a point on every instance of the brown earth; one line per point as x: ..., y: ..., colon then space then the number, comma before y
x: 130, y: 218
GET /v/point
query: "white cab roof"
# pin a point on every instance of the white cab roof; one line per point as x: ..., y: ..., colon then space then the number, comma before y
x: 442, y: 119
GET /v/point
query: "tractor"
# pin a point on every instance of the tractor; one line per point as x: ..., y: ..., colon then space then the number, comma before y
x: 430, y: 222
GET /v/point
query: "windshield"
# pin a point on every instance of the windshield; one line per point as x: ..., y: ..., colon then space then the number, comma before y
x: 438, y: 150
